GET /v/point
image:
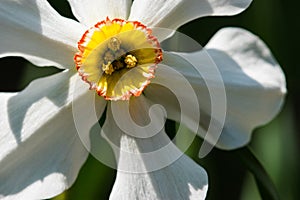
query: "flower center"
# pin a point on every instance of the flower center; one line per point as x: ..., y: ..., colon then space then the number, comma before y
x: 118, y: 58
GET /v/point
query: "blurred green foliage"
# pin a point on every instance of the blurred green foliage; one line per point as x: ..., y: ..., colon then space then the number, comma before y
x: 276, y: 144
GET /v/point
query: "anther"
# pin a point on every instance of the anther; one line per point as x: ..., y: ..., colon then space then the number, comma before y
x: 108, y: 68
x: 131, y: 61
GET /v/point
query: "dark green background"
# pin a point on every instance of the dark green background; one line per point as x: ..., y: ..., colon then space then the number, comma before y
x: 276, y: 144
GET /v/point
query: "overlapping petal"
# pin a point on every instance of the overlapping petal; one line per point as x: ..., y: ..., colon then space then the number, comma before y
x: 144, y: 170
x: 34, y: 30
x: 254, y: 84
x: 257, y: 98
x: 183, y: 179
x: 172, y: 14
x: 90, y: 12
x: 39, y: 142
x: 44, y: 165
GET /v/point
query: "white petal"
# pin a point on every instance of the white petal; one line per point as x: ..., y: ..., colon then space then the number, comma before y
x: 153, y: 167
x: 254, y: 83
x: 190, y: 95
x: 41, y: 152
x: 174, y: 13
x: 34, y: 30
x: 89, y: 12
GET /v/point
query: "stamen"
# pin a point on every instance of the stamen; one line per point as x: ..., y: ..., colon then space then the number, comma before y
x: 108, y: 68
x: 131, y: 61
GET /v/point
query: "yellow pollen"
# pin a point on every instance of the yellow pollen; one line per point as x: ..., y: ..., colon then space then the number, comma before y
x: 108, y: 68
x: 114, y: 44
x: 131, y: 61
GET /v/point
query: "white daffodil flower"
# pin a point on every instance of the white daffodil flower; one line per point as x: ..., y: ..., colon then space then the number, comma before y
x: 43, y: 144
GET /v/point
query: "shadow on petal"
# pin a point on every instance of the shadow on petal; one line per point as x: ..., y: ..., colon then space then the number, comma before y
x: 46, y: 163
x: 153, y: 167
x: 254, y: 95
x: 54, y: 88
